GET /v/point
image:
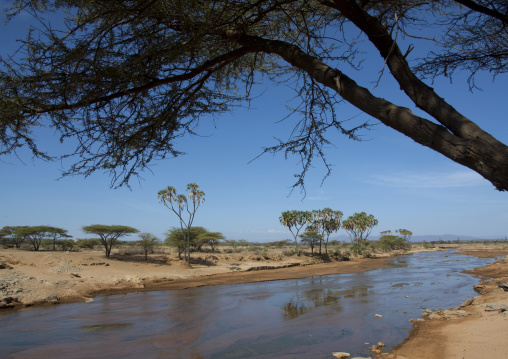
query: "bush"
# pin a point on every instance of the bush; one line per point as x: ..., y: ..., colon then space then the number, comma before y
x: 391, y: 242
x: 88, y: 243
x: 339, y: 255
x: 47, y: 243
x: 66, y: 244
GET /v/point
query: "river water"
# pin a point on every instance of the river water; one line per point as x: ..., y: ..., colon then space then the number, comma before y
x: 298, y: 318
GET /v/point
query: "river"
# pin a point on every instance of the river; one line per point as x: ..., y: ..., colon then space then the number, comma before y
x: 297, y: 318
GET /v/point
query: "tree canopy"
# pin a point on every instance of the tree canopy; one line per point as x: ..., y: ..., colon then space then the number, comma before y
x: 197, y: 237
x: 295, y: 220
x: 34, y: 234
x: 125, y: 79
x: 359, y: 226
x: 109, y: 234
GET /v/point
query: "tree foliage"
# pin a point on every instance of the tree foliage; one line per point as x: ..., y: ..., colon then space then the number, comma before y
x: 359, y: 226
x: 212, y: 239
x: 405, y: 233
x: 148, y: 242
x: 390, y: 242
x: 325, y: 221
x: 197, y: 237
x: 13, y: 235
x: 34, y: 234
x: 57, y: 233
x: 109, y: 234
x: 311, y: 238
x: 295, y: 221
x: 125, y: 79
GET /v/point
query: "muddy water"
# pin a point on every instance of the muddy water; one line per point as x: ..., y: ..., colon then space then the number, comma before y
x: 299, y: 318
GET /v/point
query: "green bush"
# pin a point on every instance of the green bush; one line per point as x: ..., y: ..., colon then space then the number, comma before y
x: 66, y: 244
x: 391, y: 242
x: 88, y: 243
x: 339, y: 255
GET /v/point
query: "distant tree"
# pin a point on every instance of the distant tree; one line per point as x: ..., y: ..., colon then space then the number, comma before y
x: 295, y: 221
x: 88, y: 243
x: 359, y: 226
x: 210, y: 238
x: 311, y: 238
x: 57, y: 233
x: 384, y: 233
x: 325, y: 221
x: 390, y: 242
x: 148, y: 242
x: 278, y: 244
x: 34, y: 234
x: 179, y: 204
x: 13, y: 235
x: 109, y: 234
x: 406, y: 234
x: 177, y: 238
x: 66, y: 244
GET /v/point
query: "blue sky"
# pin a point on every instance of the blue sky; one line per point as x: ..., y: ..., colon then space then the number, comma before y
x: 403, y: 184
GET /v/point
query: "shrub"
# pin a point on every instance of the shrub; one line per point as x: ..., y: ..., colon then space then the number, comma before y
x: 88, y: 243
x: 391, y: 242
x: 66, y: 244
x: 339, y: 255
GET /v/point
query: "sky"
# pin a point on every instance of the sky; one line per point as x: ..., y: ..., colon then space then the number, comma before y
x: 403, y: 184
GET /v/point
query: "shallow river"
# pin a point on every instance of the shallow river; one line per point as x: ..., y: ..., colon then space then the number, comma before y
x: 298, y: 318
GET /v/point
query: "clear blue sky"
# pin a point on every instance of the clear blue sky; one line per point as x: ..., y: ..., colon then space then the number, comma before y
x: 401, y: 183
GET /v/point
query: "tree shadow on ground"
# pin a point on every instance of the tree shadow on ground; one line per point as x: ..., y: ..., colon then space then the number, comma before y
x: 140, y: 258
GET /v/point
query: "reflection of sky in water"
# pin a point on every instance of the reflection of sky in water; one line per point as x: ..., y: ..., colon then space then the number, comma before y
x: 299, y: 318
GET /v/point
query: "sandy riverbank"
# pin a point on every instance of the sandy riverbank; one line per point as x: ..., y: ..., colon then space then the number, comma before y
x: 475, y: 331
x: 34, y: 278
x: 37, y: 278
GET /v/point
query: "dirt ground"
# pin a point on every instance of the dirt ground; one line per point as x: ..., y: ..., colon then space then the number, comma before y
x: 477, y: 330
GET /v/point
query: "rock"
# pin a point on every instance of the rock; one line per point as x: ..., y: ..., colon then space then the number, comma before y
x: 467, y: 302
x: 380, y: 344
x: 454, y: 313
x: 479, y: 289
x: 341, y: 355
x: 502, y: 285
x: 500, y: 307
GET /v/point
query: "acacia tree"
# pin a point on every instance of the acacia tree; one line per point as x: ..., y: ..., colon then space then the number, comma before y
x: 109, y: 234
x: 179, y: 204
x: 210, y: 238
x: 14, y: 235
x: 56, y: 233
x: 311, y: 237
x: 148, y: 242
x: 295, y: 220
x: 128, y: 78
x: 34, y: 234
x: 177, y: 238
x: 359, y: 226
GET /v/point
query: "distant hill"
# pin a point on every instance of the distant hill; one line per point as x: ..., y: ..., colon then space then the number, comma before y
x: 427, y: 237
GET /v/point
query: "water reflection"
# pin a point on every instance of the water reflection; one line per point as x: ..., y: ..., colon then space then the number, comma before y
x: 315, y: 298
